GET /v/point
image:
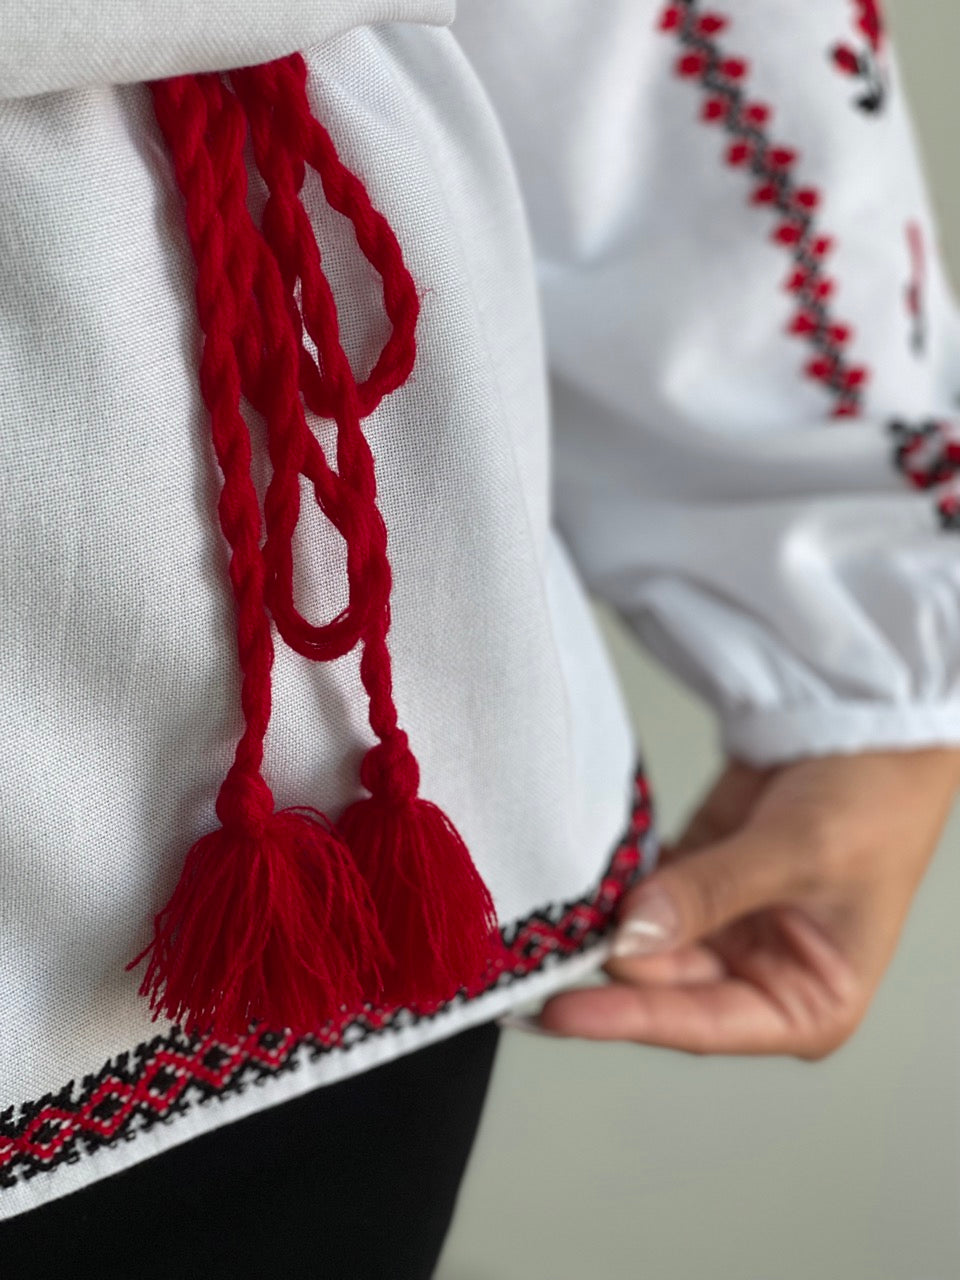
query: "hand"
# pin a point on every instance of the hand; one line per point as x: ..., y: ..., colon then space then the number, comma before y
x: 771, y: 921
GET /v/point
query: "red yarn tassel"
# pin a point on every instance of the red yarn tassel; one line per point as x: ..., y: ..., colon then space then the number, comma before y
x: 435, y: 911
x: 269, y: 921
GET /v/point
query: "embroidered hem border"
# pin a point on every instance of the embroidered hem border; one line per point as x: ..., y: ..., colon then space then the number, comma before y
x: 168, y: 1076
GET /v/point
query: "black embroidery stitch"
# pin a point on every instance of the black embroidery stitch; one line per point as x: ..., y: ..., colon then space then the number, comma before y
x: 866, y: 62
x: 171, y: 1074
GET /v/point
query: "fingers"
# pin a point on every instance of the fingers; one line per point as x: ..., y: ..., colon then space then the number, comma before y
x: 815, y: 950
x: 774, y: 984
x: 686, y: 965
x: 725, y: 1017
x: 713, y: 952
x: 797, y: 996
x: 697, y: 894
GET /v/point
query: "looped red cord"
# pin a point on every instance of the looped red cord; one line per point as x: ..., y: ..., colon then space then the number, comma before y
x: 276, y: 113
x: 268, y: 343
x: 279, y: 89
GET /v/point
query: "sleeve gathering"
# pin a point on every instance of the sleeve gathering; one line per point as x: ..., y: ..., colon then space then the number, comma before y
x: 755, y: 354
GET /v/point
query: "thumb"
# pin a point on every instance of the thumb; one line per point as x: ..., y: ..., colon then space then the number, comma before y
x: 703, y: 891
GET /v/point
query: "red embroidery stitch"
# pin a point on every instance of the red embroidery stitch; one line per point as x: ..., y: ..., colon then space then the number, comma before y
x: 928, y: 454
x: 914, y: 291
x: 866, y: 64
x: 771, y: 165
x: 171, y: 1074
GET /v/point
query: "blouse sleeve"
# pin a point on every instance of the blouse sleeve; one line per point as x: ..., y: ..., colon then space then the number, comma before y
x: 68, y: 44
x: 755, y: 353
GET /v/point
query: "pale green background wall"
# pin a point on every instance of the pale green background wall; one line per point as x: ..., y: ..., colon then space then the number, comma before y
x: 617, y: 1161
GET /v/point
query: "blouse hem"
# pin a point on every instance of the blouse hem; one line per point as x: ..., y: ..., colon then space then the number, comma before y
x: 178, y: 1086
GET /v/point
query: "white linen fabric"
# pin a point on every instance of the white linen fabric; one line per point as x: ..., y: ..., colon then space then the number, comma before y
x: 561, y: 203
x: 50, y: 44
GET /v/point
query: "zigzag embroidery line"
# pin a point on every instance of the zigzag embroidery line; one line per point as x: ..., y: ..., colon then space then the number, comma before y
x: 771, y: 165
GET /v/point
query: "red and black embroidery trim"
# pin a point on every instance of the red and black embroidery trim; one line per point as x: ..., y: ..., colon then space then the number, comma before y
x: 928, y: 454
x: 771, y: 165
x: 171, y: 1074
x: 865, y: 63
x: 914, y: 290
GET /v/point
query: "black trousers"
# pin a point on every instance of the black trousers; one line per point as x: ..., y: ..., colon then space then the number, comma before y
x: 352, y: 1181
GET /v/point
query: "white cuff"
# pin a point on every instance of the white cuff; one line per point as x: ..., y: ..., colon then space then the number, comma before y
x: 777, y: 735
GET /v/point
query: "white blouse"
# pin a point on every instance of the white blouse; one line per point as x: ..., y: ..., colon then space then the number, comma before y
x: 685, y: 341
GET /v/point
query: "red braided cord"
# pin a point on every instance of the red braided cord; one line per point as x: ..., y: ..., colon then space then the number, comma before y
x: 226, y: 134
x: 180, y: 107
x: 346, y: 193
x: 276, y: 94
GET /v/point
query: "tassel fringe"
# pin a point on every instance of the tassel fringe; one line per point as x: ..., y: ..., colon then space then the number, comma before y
x: 275, y: 925
x: 436, y: 913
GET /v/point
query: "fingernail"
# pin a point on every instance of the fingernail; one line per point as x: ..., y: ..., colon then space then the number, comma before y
x: 651, y: 926
x: 523, y: 1022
